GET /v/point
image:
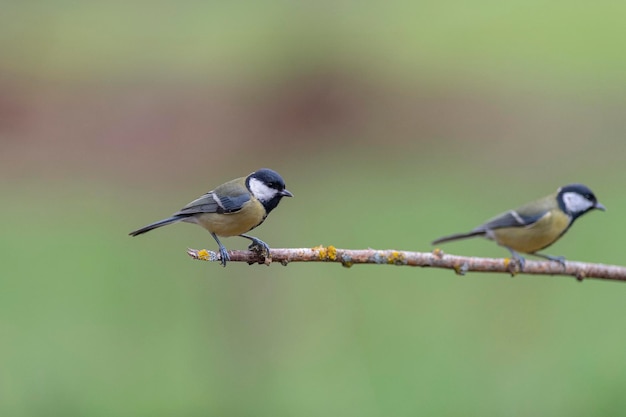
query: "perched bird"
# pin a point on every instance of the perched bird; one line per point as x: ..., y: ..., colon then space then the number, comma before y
x: 232, y: 209
x: 537, y: 225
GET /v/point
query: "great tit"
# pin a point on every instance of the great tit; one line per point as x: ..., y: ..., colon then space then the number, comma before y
x: 537, y: 225
x: 232, y: 209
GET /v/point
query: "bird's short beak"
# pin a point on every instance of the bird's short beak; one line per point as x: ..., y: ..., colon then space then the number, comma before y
x: 286, y: 193
x: 599, y: 206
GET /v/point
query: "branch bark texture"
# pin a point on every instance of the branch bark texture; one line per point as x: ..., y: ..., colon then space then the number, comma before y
x: 436, y: 259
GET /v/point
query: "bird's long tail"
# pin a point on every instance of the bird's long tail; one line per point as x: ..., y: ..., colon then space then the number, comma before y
x: 158, y: 224
x: 458, y: 236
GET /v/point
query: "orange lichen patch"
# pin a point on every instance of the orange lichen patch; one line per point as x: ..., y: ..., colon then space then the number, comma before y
x: 328, y: 253
x: 438, y: 253
x: 321, y: 252
x: 396, y: 258
x: 458, y: 269
x: 332, y: 253
x: 511, y: 265
x: 203, y: 255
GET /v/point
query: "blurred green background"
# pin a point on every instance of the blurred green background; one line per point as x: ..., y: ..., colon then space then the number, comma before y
x: 392, y: 122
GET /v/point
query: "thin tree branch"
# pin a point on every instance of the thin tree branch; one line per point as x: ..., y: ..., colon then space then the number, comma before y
x: 436, y: 259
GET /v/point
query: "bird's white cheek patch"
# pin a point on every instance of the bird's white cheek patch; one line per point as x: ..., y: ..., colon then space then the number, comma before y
x: 261, y: 191
x: 576, y: 203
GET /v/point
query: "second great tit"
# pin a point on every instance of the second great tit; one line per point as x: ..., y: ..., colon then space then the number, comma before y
x: 232, y: 209
x: 537, y: 225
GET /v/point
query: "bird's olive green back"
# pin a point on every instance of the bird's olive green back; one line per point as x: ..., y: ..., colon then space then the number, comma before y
x: 538, y: 207
x: 232, y: 188
x: 233, y: 194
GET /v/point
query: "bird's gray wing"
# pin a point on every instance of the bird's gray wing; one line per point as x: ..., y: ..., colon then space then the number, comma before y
x: 511, y: 218
x: 211, y: 203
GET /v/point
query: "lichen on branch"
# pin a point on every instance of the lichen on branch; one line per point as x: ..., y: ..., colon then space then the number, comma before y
x: 461, y: 265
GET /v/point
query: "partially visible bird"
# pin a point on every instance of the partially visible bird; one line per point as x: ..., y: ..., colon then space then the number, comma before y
x: 232, y: 209
x: 537, y: 225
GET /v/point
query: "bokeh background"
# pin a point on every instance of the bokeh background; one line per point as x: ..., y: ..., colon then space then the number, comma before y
x: 392, y: 122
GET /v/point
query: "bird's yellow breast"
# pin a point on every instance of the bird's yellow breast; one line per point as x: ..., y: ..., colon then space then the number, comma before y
x: 535, y: 237
x: 250, y: 216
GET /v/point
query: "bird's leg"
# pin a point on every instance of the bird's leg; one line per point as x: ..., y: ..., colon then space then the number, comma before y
x: 258, y: 246
x: 518, y: 258
x: 223, y: 252
x: 559, y: 259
